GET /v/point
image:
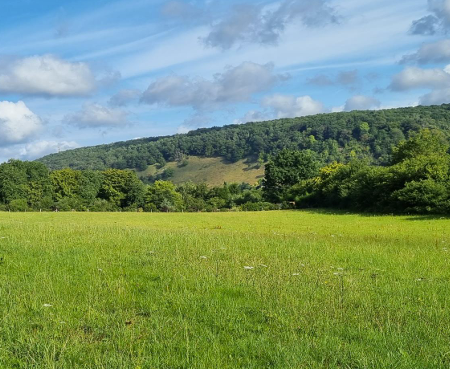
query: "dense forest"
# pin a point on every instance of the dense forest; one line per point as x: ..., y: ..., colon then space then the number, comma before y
x: 382, y: 161
x: 340, y: 137
x: 416, y: 179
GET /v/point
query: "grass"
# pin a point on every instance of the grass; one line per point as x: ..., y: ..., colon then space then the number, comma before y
x: 129, y: 290
x: 214, y: 171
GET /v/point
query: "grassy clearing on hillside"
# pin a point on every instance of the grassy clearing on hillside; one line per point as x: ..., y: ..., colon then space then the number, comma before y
x: 214, y: 171
x: 223, y: 290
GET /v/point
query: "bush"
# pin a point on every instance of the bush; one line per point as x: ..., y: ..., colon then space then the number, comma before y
x: 426, y: 196
x: 18, y: 205
x: 70, y: 203
x: 101, y: 205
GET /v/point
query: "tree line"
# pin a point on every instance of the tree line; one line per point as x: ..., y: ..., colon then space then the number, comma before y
x: 340, y: 137
x: 416, y: 179
x: 31, y: 186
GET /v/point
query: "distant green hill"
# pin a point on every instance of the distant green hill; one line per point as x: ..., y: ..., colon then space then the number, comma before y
x: 335, y: 137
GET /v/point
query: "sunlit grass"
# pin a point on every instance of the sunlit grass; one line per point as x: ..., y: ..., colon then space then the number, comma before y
x: 223, y: 290
x: 214, y: 171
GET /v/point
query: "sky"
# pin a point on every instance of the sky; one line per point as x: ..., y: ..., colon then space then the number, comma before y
x: 77, y: 73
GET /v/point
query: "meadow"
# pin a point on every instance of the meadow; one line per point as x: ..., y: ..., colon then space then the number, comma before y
x: 285, y: 289
x: 214, y: 171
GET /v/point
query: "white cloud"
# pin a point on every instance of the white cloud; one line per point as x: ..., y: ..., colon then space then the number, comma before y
x: 437, y: 80
x: 436, y: 97
x: 413, y: 77
x: 435, y: 52
x: 234, y: 85
x: 95, y: 115
x: 287, y: 106
x: 17, y: 122
x: 46, y: 75
x: 255, y: 24
x: 360, y: 102
x: 38, y: 149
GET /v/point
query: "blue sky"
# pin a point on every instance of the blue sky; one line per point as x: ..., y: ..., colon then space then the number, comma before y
x: 79, y: 73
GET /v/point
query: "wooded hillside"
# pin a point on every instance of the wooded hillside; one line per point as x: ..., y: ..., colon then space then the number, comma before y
x: 335, y: 137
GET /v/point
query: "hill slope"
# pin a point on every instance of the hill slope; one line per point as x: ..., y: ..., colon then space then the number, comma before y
x: 336, y: 136
x: 214, y: 171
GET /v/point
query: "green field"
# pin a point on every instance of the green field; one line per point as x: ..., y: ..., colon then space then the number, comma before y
x: 224, y: 290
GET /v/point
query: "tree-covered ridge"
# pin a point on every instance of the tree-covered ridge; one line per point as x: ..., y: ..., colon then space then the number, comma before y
x: 334, y: 137
x: 416, y: 180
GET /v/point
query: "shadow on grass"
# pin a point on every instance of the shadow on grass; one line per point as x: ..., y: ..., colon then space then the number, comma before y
x: 409, y: 217
x: 428, y: 217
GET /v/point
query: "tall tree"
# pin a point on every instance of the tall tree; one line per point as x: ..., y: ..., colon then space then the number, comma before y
x: 285, y: 170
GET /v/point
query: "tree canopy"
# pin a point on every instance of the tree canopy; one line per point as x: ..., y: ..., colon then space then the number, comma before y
x: 337, y: 137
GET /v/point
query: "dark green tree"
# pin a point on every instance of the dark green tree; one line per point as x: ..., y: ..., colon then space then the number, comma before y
x: 285, y: 170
